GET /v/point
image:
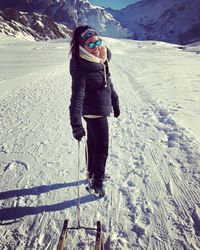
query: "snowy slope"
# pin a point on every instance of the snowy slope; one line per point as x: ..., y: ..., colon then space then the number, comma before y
x: 152, y: 199
x: 175, y: 21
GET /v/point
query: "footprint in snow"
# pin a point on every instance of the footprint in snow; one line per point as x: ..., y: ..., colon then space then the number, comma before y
x: 3, y: 149
x: 139, y: 163
x: 15, y: 166
x: 131, y: 183
x: 172, y: 139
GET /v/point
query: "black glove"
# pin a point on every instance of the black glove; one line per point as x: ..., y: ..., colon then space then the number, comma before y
x: 78, y: 132
x: 116, y: 111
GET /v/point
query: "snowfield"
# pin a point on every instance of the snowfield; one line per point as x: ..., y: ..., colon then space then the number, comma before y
x: 153, y: 196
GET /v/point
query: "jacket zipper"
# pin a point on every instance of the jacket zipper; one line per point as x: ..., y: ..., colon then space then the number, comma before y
x: 105, y: 77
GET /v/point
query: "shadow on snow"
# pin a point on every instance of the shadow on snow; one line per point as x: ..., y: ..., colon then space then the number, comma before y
x: 13, y: 213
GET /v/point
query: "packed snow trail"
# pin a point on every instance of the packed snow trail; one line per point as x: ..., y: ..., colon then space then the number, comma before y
x: 161, y: 161
x: 152, y: 199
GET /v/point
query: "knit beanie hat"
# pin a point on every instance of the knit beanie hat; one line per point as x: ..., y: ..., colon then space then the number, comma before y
x: 86, y: 34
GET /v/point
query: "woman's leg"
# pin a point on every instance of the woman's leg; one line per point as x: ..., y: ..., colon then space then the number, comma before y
x: 89, y: 151
x: 97, y: 129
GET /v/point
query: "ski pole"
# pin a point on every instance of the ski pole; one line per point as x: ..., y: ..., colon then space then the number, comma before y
x: 78, y: 206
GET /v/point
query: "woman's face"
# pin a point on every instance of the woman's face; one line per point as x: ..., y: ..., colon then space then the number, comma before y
x: 95, y: 51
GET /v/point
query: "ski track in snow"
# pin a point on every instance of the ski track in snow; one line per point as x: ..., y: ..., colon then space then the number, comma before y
x: 152, y: 199
x: 155, y: 138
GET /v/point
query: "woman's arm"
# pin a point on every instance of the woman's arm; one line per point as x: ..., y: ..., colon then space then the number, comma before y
x: 115, y: 101
x: 77, y: 96
x: 114, y: 96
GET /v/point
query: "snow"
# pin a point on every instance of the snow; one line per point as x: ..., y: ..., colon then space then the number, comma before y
x: 193, y: 47
x: 152, y: 199
x: 40, y: 23
x: 96, y: 7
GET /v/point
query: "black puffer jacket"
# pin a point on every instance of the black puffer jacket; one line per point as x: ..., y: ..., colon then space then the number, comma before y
x: 92, y: 89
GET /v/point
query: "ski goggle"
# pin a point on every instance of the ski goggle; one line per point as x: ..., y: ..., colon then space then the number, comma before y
x: 97, y: 43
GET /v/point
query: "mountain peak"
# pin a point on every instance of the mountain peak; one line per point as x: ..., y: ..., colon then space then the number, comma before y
x: 175, y: 21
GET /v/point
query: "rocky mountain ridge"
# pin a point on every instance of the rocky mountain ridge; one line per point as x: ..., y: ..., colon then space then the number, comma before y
x: 72, y: 13
x: 31, y: 26
x: 174, y: 21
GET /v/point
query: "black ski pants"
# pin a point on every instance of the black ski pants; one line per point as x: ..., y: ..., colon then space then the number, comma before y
x: 97, y: 147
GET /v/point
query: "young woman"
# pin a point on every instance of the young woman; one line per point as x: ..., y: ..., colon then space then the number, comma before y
x: 93, y: 97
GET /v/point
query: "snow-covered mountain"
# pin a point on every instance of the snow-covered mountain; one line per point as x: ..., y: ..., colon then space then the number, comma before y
x: 72, y: 13
x: 32, y: 26
x: 176, y: 21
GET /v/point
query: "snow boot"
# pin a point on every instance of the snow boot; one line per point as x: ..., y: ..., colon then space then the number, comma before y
x: 95, y: 188
x: 99, y: 191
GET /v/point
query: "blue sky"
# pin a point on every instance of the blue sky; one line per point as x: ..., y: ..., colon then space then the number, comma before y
x: 114, y: 4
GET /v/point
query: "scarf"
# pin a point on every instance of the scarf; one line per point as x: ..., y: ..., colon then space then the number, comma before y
x: 91, y: 58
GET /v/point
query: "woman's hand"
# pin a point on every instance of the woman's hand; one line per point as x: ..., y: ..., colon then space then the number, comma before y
x: 116, y: 111
x: 78, y: 132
